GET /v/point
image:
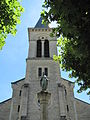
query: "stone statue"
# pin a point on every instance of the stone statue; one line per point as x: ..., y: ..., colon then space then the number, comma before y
x: 44, y: 82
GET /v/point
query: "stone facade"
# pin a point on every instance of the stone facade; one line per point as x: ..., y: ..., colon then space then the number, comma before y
x: 42, y: 34
x: 82, y: 110
x: 5, y: 109
x: 25, y: 104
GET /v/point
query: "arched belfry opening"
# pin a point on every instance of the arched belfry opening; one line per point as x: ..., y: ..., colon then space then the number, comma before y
x: 39, y: 48
x: 42, y: 48
x: 46, y: 48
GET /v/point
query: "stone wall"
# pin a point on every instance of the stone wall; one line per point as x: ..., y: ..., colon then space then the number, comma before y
x: 69, y: 99
x: 16, y: 99
x: 78, y: 110
x: 5, y: 109
x: 41, y: 34
x: 83, y: 110
x: 34, y: 88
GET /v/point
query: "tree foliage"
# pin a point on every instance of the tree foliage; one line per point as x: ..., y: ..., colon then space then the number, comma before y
x: 73, y: 30
x: 10, y: 12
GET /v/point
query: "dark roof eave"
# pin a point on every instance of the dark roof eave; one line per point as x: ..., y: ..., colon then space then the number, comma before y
x: 17, y: 81
x: 68, y: 80
x: 82, y: 101
x: 5, y: 101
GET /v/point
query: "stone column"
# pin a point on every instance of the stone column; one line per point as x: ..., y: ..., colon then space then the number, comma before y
x: 61, y: 102
x: 42, y: 48
x: 44, y: 98
x: 24, y: 102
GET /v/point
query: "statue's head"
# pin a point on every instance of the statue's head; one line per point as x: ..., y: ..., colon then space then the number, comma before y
x: 44, y: 76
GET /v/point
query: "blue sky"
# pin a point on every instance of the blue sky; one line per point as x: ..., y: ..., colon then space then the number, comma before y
x: 14, y: 53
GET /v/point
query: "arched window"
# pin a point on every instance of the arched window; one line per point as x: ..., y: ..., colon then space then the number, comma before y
x: 39, y: 48
x: 46, y: 48
x: 39, y: 72
x: 20, y: 93
x: 46, y: 71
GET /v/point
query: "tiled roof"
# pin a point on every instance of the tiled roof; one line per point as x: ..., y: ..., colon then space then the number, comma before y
x: 40, y: 25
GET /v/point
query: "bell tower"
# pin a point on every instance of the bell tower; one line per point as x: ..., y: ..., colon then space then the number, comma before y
x: 41, y: 44
x: 42, y: 47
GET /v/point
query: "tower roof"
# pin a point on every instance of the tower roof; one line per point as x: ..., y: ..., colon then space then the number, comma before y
x: 40, y: 25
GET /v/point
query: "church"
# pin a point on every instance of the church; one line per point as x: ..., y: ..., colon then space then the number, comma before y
x: 29, y: 101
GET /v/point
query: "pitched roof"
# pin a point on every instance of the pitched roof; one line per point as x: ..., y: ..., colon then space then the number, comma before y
x: 5, y: 101
x: 78, y: 99
x: 17, y: 81
x: 68, y: 80
x: 40, y: 25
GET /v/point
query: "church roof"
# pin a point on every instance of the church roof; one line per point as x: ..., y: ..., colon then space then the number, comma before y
x: 40, y: 25
x: 81, y: 101
x: 5, y: 101
x: 18, y: 81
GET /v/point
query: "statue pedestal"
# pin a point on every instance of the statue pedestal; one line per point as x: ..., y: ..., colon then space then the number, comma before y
x: 44, y: 98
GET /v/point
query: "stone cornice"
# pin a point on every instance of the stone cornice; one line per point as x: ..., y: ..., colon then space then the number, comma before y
x: 40, y: 29
x: 39, y: 58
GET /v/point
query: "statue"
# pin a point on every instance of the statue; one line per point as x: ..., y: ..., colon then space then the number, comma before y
x: 44, y: 82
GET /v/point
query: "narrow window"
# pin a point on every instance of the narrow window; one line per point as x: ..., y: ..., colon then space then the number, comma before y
x: 46, y: 48
x: 39, y: 48
x: 46, y: 71
x: 39, y: 72
x: 38, y: 102
x: 67, y: 108
x: 18, y: 108
x: 65, y: 92
x: 20, y: 93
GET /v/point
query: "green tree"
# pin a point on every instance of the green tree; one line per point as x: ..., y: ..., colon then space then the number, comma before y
x: 10, y: 12
x: 73, y: 32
